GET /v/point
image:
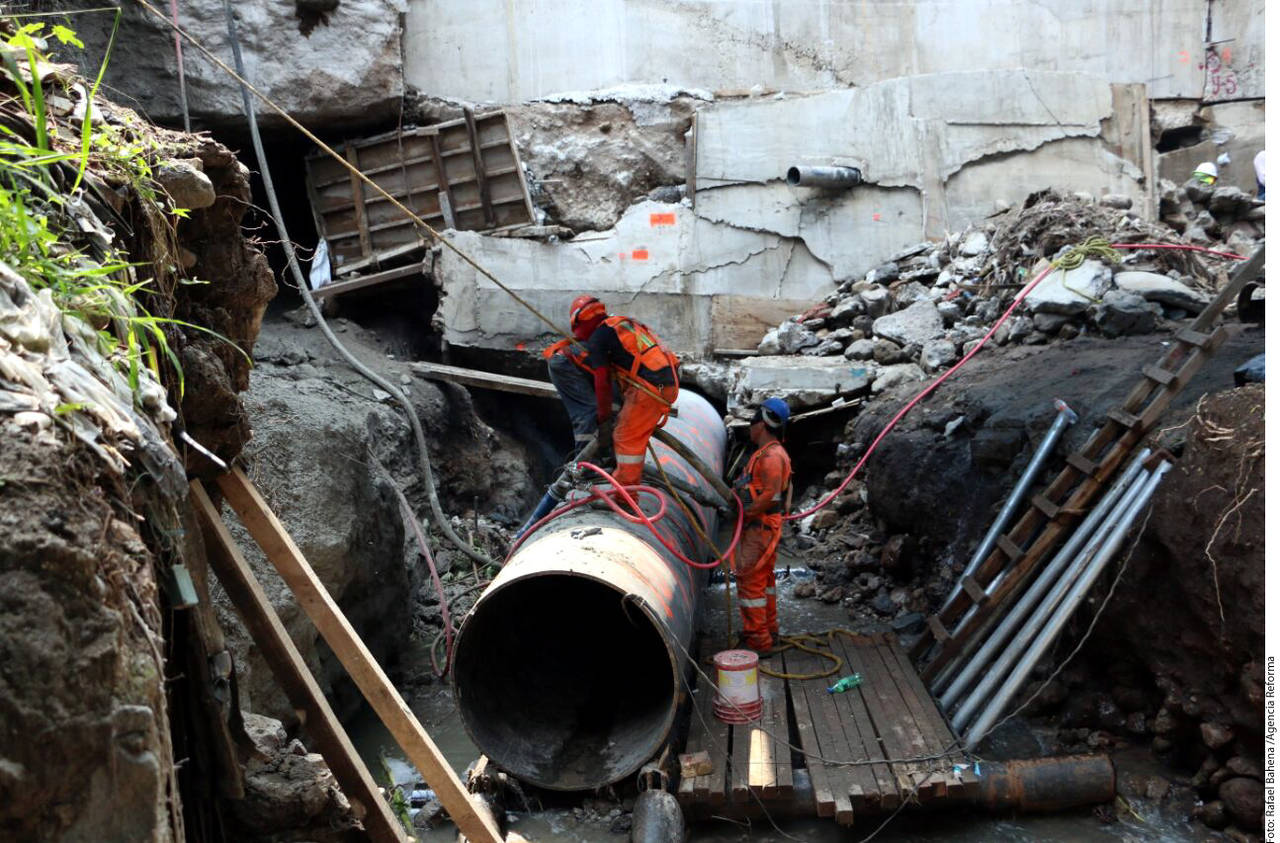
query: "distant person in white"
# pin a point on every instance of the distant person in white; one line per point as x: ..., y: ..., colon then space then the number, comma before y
x: 1260, y: 170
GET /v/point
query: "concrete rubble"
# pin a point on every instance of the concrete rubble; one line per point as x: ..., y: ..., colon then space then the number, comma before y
x: 917, y: 313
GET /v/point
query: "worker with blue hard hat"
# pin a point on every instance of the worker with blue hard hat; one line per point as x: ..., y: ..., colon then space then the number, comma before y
x: 765, y: 490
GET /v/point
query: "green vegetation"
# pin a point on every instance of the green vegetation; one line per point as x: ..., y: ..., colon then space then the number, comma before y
x: 52, y: 176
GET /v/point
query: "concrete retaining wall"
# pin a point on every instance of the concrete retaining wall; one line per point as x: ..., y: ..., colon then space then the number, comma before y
x: 748, y: 250
x: 514, y: 50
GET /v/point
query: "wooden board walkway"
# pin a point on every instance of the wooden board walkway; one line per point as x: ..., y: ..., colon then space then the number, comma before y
x: 857, y: 748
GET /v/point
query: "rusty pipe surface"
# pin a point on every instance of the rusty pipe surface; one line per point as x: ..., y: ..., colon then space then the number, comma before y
x: 829, y: 177
x: 567, y: 670
x: 1047, y: 784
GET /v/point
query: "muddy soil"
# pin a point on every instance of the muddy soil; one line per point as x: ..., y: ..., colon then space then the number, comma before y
x: 327, y: 445
x: 86, y: 751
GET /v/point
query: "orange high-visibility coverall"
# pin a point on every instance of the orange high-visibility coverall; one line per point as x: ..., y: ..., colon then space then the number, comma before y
x: 766, y: 479
x: 646, y: 371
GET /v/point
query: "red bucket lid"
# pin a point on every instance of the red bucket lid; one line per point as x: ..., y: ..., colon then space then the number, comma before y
x: 736, y: 659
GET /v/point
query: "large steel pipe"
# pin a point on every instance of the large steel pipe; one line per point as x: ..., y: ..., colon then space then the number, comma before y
x: 568, y: 668
x: 1048, y: 784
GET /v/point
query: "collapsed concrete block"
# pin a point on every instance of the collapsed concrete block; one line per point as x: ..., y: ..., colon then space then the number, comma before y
x: 1162, y: 289
x: 877, y: 301
x: 975, y: 243
x: 937, y: 353
x: 860, y: 350
x: 1123, y: 313
x: 891, y: 376
x: 1070, y: 293
x: 918, y: 324
x: 788, y: 338
x: 801, y: 381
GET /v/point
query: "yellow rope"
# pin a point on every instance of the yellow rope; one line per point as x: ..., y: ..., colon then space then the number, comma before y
x: 1095, y: 247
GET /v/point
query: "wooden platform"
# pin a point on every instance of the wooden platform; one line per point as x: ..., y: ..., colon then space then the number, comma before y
x: 888, y: 719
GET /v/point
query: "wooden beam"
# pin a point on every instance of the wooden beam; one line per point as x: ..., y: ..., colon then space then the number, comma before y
x: 337, y: 288
x: 369, y: 677
x: 477, y: 160
x: 357, y: 196
x: 484, y: 380
x: 272, y: 640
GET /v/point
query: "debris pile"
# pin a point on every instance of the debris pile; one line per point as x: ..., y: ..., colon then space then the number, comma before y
x: 924, y: 308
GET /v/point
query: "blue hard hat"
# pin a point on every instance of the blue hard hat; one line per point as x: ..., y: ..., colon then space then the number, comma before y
x: 774, y: 412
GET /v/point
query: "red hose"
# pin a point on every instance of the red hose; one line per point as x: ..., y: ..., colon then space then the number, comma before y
x: 572, y: 505
x: 1183, y: 247
x: 931, y: 387
x: 648, y: 522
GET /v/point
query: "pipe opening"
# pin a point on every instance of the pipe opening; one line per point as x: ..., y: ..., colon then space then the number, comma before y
x: 793, y: 176
x: 594, y: 675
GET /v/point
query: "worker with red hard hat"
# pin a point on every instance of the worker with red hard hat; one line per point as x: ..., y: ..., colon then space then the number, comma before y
x: 615, y: 350
x: 764, y: 489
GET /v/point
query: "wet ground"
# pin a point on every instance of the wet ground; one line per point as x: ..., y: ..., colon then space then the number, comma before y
x: 1165, y: 820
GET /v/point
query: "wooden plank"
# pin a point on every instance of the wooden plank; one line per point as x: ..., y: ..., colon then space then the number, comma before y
x: 1046, y: 506
x: 976, y: 592
x: 740, y: 762
x: 1122, y: 418
x: 776, y: 696
x: 1082, y: 464
x: 442, y: 177
x: 484, y: 380
x: 876, y: 782
x: 1190, y: 337
x: 718, y: 748
x: 515, y: 155
x: 1160, y: 376
x: 918, y: 703
x: 1010, y: 548
x: 835, y: 744
x: 929, y: 716
x: 286, y: 663
x: 884, y: 703
x: 939, y: 631
x: 823, y: 798
x: 337, y: 288
x: 762, y: 772
x: 694, y: 789
x: 363, y: 668
x: 357, y: 197
x: 477, y: 159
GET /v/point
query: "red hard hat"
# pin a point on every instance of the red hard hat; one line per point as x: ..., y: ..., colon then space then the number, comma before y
x: 585, y: 311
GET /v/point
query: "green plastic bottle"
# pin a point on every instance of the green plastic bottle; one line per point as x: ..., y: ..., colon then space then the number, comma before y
x: 853, y: 680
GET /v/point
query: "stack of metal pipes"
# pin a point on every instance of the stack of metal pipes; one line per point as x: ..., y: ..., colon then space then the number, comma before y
x: 977, y: 689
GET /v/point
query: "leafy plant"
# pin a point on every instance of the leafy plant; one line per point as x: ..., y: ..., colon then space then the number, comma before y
x: 38, y: 228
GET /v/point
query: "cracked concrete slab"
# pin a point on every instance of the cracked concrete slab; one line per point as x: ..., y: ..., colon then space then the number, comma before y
x: 917, y: 133
x: 662, y: 264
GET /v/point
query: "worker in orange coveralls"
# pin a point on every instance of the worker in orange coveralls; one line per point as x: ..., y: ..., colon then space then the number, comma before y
x: 617, y: 349
x: 763, y: 488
